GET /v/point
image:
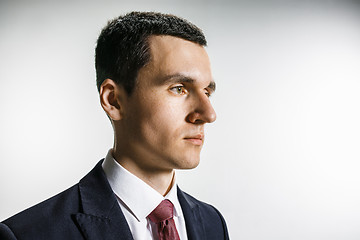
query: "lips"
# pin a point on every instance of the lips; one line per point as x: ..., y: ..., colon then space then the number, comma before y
x: 197, y: 139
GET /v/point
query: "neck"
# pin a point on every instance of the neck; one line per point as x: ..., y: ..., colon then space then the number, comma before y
x: 159, y: 179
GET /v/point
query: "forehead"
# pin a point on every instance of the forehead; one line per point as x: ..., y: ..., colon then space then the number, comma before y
x: 175, y: 56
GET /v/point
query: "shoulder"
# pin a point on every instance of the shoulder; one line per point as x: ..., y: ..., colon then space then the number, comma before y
x: 208, y: 211
x: 52, y: 215
x: 55, y: 218
x: 214, y: 222
x: 6, y: 233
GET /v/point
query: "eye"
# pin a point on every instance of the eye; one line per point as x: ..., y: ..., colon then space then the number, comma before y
x: 179, y: 90
x: 208, y: 93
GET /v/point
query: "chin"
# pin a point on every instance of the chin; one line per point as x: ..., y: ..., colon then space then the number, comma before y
x: 189, y: 164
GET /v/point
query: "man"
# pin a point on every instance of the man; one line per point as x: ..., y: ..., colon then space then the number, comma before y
x: 154, y: 81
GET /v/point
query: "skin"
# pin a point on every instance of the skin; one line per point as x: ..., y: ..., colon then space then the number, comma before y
x: 160, y: 126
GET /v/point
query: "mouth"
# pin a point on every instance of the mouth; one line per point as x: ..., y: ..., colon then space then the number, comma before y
x: 197, y: 139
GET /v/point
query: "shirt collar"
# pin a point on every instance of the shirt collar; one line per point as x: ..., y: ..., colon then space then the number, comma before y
x: 137, y: 196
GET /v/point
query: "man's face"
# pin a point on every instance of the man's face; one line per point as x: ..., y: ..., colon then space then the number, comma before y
x: 163, y: 119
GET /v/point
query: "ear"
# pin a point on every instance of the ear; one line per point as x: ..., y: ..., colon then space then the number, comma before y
x: 112, y: 99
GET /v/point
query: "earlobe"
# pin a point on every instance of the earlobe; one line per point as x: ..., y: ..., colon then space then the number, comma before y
x: 111, y: 99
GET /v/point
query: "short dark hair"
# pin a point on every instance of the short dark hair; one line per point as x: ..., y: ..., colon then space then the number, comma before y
x: 123, y: 48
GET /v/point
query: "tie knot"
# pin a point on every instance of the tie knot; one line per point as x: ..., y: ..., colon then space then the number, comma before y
x: 163, y: 211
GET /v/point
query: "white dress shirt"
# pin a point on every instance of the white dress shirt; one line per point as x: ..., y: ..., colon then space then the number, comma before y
x: 137, y: 200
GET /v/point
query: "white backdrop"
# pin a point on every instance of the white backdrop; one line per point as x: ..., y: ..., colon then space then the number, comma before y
x: 282, y: 161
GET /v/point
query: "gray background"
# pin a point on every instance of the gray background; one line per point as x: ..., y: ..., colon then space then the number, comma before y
x: 280, y: 162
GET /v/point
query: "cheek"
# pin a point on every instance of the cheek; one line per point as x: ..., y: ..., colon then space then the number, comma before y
x: 163, y: 120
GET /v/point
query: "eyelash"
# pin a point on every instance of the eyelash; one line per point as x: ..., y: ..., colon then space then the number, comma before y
x: 180, y: 87
x: 184, y: 91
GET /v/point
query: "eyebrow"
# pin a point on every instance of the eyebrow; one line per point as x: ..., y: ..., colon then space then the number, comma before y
x: 180, y: 78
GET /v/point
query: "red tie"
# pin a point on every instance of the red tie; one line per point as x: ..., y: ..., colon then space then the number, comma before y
x: 162, y: 216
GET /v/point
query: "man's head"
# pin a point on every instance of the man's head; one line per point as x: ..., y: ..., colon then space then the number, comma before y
x: 158, y: 94
x: 123, y: 47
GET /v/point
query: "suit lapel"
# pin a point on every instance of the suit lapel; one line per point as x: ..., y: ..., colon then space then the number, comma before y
x: 193, y: 220
x: 101, y: 216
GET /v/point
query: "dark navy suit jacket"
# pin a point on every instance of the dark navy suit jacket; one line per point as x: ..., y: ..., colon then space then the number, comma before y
x: 89, y: 210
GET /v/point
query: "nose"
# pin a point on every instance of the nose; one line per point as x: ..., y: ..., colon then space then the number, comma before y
x: 202, y: 110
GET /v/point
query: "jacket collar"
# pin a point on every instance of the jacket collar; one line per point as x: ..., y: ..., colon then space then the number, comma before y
x: 193, y: 220
x: 101, y: 216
